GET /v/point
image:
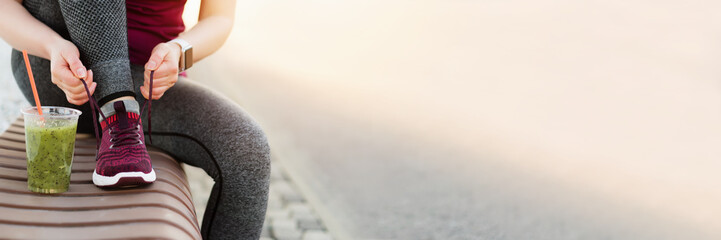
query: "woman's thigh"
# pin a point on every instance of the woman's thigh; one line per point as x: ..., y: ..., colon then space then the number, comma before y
x: 201, y: 128
x: 204, y: 129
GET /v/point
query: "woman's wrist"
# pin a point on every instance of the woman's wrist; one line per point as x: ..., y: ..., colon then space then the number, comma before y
x: 54, y: 44
x: 176, y: 47
x: 176, y: 50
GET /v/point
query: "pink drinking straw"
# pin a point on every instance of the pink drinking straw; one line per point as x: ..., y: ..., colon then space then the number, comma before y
x: 32, y: 83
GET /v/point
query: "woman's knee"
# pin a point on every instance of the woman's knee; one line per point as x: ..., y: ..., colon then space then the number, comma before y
x: 256, y: 142
x: 249, y: 143
x: 231, y: 133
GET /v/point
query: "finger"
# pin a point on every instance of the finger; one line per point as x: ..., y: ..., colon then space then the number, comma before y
x: 71, y: 101
x: 163, y: 82
x: 76, y: 89
x: 76, y: 102
x: 67, y: 88
x: 160, y: 89
x: 161, y: 77
x: 167, y: 81
x: 144, y: 91
x: 75, y: 99
x: 63, y: 74
x: 159, y: 92
x: 165, y: 70
x: 89, y: 79
x: 73, y: 60
x: 54, y: 80
x: 78, y: 97
x: 92, y: 90
x: 75, y: 96
x: 157, y: 56
x: 62, y: 85
x: 80, y: 87
x: 158, y: 81
x: 146, y: 94
x: 89, y: 82
x: 146, y: 78
x: 146, y: 85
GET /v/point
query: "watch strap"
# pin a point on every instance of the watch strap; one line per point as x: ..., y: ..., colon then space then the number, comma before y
x: 186, y: 54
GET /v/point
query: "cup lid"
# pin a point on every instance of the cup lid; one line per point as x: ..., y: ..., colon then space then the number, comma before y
x: 52, y: 111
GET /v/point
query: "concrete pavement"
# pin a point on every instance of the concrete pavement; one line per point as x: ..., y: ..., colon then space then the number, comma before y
x: 489, y: 120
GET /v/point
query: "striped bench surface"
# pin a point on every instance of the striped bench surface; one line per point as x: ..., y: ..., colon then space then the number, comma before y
x: 162, y: 210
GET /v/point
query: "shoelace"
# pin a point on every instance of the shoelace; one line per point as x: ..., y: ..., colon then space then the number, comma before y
x: 127, y: 136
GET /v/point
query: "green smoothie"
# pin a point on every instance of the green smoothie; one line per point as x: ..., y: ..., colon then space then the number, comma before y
x: 50, y: 155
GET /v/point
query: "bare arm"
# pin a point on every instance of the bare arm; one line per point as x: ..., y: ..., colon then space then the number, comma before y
x: 22, y: 31
x: 214, y: 25
x: 215, y: 22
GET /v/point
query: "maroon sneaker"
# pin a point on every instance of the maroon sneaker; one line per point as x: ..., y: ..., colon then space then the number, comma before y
x: 122, y: 158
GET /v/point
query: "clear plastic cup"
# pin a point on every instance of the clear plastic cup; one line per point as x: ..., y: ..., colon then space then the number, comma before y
x: 50, y: 145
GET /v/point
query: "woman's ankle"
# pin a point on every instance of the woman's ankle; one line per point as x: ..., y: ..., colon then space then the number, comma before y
x: 109, y: 103
x: 121, y: 98
x: 130, y: 104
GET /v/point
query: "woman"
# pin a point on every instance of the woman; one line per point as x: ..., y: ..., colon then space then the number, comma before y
x: 114, y: 46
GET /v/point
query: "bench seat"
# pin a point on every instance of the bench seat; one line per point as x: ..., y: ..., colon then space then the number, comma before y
x: 162, y: 210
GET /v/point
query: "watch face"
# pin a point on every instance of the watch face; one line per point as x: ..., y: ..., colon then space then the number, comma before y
x: 188, y: 58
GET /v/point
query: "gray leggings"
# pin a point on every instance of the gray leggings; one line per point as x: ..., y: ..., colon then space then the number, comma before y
x: 193, y: 124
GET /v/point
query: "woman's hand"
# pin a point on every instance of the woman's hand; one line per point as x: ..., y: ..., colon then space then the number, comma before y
x: 67, y: 70
x: 164, y: 60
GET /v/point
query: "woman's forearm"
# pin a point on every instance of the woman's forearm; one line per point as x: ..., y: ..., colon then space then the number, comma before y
x: 214, y: 25
x: 22, y: 31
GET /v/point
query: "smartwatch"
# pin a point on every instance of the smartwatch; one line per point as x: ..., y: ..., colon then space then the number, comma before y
x: 186, y: 54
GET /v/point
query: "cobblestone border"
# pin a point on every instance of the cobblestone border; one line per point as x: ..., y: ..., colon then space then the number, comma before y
x: 289, y: 215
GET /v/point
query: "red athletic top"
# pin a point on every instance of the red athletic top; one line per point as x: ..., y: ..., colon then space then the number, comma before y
x: 151, y: 22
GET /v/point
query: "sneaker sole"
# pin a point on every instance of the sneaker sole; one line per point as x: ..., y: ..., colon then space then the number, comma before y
x: 124, y: 179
